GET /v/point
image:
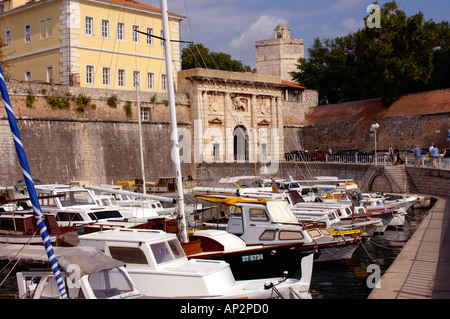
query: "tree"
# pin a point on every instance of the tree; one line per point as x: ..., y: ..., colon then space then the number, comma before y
x: 5, y: 65
x: 405, y: 55
x: 198, y: 56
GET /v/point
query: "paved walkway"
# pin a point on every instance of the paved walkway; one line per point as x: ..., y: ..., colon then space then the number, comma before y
x: 422, y: 269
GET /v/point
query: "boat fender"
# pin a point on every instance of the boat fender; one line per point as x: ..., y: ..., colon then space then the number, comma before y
x: 269, y: 285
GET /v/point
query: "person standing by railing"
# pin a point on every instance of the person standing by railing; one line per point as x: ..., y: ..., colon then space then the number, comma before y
x: 434, y: 154
x: 446, y: 156
x: 391, y: 154
x: 417, y: 152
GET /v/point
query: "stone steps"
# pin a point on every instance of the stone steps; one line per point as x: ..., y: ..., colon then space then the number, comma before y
x: 400, y: 177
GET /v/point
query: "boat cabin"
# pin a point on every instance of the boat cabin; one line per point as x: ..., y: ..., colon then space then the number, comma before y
x: 269, y: 223
x: 73, y: 205
x: 87, y: 273
x: 156, y: 259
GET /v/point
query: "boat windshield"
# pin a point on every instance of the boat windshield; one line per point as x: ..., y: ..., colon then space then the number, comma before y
x: 73, y: 198
x: 167, y: 251
x: 109, y: 283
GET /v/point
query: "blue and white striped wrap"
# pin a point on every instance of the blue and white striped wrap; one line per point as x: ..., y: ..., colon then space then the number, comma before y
x: 30, y: 186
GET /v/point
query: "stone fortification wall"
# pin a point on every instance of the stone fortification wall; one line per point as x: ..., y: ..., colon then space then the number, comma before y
x: 421, y: 118
x: 60, y: 151
x: 98, y: 144
x: 97, y: 108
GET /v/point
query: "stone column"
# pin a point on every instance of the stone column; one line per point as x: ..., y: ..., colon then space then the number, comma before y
x: 280, y: 128
x: 197, y: 125
x: 273, y: 125
x: 228, y: 129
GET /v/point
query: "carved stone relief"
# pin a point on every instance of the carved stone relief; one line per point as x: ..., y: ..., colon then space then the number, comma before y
x: 240, y: 104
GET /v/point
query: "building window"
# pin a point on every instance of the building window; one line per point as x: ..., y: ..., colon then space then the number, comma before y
x: 28, y: 75
x: 263, y: 155
x: 89, y: 28
x: 8, y: 38
x: 105, y: 28
x: 46, y: 28
x: 216, y: 152
x: 105, y: 76
x: 135, y: 37
x: 27, y: 33
x: 161, y: 42
x: 149, y: 38
x: 163, y: 82
x: 145, y: 113
x: 121, y: 78
x: 89, y: 74
x: 136, y: 79
x: 49, y: 74
x: 120, y: 31
x: 150, y: 80
x: 293, y: 95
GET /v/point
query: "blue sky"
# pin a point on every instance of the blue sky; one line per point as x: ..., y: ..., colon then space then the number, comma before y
x: 233, y: 26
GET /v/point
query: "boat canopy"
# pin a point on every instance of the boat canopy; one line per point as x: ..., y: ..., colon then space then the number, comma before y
x: 230, y: 201
x: 281, y: 211
x: 89, y: 259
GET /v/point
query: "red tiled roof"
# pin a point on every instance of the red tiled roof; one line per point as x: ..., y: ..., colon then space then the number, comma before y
x: 136, y: 4
x: 125, y: 2
x: 292, y: 84
x: 141, y: 5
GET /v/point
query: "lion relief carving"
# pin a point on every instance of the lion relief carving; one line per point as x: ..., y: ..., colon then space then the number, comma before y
x: 240, y: 104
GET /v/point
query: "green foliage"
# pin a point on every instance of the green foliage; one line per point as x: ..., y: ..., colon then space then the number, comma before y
x: 112, y: 101
x: 58, y: 103
x: 29, y: 100
x: 127, y: 108
x: 405, y: 55
x: 82, y: 102
x: 197, y: 56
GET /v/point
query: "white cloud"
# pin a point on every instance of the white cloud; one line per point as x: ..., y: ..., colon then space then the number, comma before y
x: 262, y: 29
x: 352, y: 25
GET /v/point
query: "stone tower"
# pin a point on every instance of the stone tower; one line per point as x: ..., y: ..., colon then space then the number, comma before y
x: 279, y: 56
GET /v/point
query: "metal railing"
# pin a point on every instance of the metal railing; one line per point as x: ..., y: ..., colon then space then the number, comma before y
x: 381, y: 160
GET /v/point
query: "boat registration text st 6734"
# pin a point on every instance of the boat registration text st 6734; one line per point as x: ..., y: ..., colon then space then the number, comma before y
x: 254, y: 257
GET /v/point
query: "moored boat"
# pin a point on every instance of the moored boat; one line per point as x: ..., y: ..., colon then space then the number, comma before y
x: 156, y: 259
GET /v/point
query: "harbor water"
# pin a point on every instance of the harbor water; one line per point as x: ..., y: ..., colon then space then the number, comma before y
x: 334, y: 280
x: 349, y: 279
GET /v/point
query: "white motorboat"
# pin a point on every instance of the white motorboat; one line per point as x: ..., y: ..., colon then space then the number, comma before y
x: 86, y: 272
x: 158, y: 265
x: 272, y: 222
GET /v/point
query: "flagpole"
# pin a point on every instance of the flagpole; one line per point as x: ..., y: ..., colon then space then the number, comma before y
x: 30, y: 186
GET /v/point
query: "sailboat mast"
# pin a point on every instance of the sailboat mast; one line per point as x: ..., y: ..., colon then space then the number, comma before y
x: 182, y: 231
x: 141, y: 147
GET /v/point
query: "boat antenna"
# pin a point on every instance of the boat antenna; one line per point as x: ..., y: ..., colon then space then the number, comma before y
x: 182, y: 230
x: 40, y: 221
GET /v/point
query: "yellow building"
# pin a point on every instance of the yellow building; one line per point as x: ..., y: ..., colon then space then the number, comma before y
x: 88, y: 43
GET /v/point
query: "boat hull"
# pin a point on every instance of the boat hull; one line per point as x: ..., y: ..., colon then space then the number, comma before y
x: 261, y: 261
x: 273, y: 260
